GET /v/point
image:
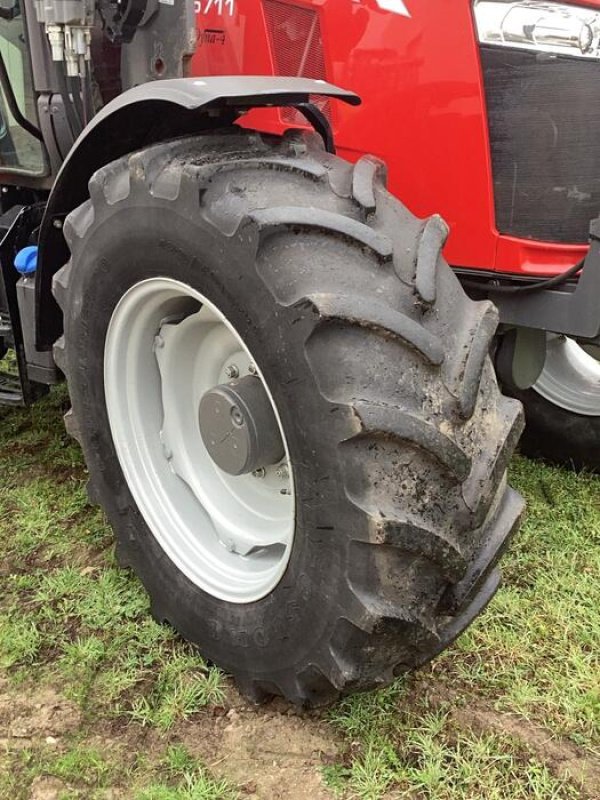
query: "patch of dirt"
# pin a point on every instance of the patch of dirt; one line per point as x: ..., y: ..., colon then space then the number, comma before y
x: 273, y: 752
x: 33, y: 715
x: 563, y: 758
x: 45, y: 788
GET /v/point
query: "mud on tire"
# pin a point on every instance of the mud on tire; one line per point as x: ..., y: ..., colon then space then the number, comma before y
x: 378, y: 363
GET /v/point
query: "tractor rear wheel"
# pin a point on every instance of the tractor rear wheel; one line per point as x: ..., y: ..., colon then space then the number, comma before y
x: 287, y: 409
x: 563, y: 407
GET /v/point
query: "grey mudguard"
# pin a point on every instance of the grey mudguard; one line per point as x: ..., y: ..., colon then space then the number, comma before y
x: 238, y: 91
x: 141, y: 116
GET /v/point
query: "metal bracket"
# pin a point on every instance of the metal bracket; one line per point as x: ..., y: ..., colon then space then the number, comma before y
x: 320, y: 123
x: 121, y: 19
x: 520, y: 357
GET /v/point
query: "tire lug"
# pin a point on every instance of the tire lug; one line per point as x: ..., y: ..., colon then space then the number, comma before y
x: 283, y: 472
x: 259, y: 473
x: 252, y: 369
x: 232, y: 371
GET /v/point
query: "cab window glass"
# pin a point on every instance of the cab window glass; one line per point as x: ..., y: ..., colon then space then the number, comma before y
x: 19, y: 150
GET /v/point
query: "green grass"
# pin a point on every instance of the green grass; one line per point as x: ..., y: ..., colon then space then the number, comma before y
x: 537, y: 650
x: 68, y: 611
x: 91, y: 631
x: 405, y: 743
x: 484, y: 721
x: 70, y: 618
x: 85, y: 773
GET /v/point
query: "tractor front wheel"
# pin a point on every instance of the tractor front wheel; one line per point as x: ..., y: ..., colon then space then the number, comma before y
x: 287, y: 409
x: 562, y: 409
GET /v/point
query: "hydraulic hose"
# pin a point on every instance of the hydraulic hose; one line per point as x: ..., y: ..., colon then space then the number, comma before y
x: 70, y: 109
x: 12, y: 104
x: 550, y: 283
x: 76, y: 94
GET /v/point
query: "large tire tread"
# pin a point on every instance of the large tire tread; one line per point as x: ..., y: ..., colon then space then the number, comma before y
x: 435, y: 439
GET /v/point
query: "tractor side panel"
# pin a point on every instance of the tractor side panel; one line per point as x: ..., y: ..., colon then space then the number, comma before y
x: 416, y: 66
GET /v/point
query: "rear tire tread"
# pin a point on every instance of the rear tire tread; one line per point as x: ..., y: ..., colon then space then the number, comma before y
x: 326, y: 221
x: 481, y: 341
x: 386, y: 629
x: 368, y: 172
x: 429, y: 253
x: 368, y: 313
x: 393, y: 421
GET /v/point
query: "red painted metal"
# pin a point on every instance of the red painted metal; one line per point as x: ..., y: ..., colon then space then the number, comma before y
x: 423, y: 108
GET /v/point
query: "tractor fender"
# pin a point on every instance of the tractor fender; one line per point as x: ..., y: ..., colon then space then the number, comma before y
x: 146, y: 114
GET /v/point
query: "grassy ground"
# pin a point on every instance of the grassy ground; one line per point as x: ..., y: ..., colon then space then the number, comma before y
x: 98, y: 701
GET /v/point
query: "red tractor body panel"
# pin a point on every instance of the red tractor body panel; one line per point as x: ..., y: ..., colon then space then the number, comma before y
x: 423, y: 112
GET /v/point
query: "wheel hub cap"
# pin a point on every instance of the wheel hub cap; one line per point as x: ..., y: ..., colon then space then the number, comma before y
x: 239, y: 428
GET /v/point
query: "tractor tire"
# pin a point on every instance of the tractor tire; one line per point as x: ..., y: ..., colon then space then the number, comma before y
x: 562, y: 410
x: 376, y: 364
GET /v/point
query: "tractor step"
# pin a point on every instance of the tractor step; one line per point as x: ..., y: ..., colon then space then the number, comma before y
x: 16, y: 388
x: 11, y: 393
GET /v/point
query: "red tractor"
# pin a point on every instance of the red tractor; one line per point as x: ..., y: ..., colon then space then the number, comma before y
x: 287, y: 400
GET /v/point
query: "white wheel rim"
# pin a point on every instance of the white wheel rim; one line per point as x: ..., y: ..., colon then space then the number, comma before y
x: 166, y: 345
x: 570, y: 378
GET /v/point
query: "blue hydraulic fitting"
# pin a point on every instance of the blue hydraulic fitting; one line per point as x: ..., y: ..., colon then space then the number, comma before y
x: 26, y: 260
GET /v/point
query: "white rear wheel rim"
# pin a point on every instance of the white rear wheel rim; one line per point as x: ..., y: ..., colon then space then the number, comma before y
x: 166, y: 345
x: 571, y: 377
